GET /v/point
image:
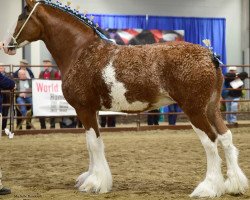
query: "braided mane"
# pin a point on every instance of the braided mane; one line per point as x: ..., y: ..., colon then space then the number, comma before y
x: 80, y: 16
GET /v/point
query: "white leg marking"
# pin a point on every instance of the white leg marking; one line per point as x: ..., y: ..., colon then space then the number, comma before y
x: 213, y: 185
x: 236, y: 182
x: 98, y: 179
x: 118, y: 90
x: 80, y: 180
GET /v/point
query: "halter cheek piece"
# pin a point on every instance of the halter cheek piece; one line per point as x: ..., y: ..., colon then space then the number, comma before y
x: 15, y: 44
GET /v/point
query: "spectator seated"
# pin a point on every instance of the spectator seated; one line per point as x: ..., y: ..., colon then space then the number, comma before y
x: 24, y: 87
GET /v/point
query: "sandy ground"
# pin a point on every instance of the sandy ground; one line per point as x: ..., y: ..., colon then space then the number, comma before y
x: 145, y: 165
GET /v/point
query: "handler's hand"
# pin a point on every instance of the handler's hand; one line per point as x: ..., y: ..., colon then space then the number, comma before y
x: 22, y: 95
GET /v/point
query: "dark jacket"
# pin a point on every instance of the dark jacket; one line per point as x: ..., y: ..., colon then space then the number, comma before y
x: 15, y: 74
x: 5, y: 84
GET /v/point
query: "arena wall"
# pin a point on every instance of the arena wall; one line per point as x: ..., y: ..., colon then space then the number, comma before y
x: 229, y: 9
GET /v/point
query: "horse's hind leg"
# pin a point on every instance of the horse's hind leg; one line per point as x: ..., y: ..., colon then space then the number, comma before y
x: 98, y: 178
x: 213, y: 184
x: 236, y: 182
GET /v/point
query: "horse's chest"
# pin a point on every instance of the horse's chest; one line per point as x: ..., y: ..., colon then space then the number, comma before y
x: 76, y: 87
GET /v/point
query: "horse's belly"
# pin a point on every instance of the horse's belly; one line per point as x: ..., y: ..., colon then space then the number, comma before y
x: 163, y: 100
x: 120, y: 103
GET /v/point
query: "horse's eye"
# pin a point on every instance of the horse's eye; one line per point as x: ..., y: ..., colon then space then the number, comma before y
x: 21, y: 17
x: 24, y: 15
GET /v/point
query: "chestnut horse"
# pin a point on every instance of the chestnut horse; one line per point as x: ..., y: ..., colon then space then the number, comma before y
x: 99, y: 75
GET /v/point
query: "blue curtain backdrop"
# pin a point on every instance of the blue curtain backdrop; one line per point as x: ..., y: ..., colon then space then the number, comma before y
x: 196, y: 29
x: 121, y: 21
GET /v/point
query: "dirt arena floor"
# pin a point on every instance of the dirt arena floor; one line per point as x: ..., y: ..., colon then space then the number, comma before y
x: 149, y: 165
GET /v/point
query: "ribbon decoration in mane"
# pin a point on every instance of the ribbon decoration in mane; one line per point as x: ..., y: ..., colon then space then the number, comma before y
x: 81, y: 16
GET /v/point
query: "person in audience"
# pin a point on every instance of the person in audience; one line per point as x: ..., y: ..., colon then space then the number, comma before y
x: 24, y: 65
x: 172, y: 117
x: 5, y: 98
x: 109, y: 121
x: 5, y: 84
x: 153, y: 119
x: 48, y: 73
x: 24, y: 86
x: 233, y: 95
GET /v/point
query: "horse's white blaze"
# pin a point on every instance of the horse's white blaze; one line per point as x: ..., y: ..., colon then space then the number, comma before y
x: 98, y: 178
x: 237, y: 181
x: 118, y: 90
x: 213, y: 185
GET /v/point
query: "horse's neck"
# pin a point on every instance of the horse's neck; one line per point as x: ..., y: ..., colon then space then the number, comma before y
x: 65, y: 39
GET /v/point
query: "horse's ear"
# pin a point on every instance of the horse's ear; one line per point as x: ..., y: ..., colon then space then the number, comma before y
x: 30, y: 3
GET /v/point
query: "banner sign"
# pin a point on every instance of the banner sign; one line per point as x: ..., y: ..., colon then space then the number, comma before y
x: 48, y: 99
x: 140, y: 36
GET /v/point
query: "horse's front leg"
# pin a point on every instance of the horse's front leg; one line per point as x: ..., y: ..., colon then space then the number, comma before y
x: 98, y: 178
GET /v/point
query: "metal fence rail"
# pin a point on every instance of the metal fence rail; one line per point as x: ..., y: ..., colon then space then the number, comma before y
x: 136, y: 125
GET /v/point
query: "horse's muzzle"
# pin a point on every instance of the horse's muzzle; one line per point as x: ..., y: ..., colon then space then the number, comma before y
x: 10, y: 49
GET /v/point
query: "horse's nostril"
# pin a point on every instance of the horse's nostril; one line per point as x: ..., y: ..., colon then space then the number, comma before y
x: 12, y: 46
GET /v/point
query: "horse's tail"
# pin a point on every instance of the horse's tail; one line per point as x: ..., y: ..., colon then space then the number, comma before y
x: 213, y: 108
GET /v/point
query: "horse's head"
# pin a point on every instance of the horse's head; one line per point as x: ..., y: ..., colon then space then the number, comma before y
x: 27, y: 29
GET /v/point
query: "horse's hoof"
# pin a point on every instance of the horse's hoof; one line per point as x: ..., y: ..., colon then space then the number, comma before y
x: 208, y: 189
x: 98, y: 182
x: 80, y: 180
x: 237, y: 184
x: 93, y: 184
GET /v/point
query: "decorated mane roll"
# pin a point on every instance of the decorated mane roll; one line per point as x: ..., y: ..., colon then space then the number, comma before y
x: 76, y: 13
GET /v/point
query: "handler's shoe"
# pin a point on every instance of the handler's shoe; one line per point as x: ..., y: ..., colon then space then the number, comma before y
x: 5, y: 191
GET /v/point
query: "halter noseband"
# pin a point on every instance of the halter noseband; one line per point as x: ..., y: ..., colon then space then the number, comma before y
x: 15, y: 45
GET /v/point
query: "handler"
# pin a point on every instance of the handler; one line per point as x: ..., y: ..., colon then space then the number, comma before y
x: 6, y: 84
